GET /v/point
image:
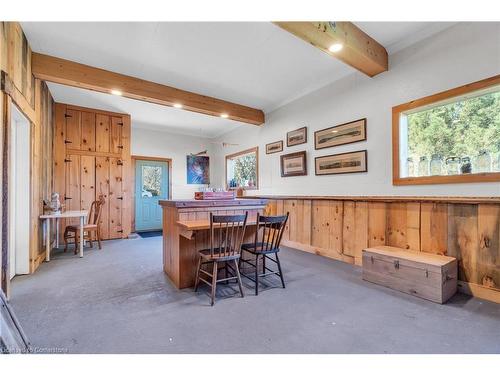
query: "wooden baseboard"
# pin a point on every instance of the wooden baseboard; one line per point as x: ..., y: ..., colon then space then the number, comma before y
x: 319, y: 251
x: 479, y: 291
x: 37, y: 261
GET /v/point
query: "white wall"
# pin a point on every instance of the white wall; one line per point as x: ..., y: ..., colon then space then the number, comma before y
x: 464, y: 53
x: 145, y: 142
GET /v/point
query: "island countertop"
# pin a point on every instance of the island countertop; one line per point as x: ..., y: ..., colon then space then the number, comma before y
x: 187, y: 203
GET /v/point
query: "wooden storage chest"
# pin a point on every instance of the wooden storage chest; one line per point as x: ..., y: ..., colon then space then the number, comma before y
x: 425, y: 275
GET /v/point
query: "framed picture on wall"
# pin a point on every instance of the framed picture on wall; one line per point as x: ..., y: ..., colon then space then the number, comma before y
x: 274, y: 147
x: 348, y: 162
x: 198, y: 169
x: 350, y: 132
x: 296, y: 137
x: 293, y: 164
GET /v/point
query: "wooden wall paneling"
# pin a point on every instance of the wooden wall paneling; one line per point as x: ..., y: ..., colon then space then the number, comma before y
x: 361, y: 230
x: 348, y: 229
x: 326, y: 236
x: 403, y: 225
x: 87, y: 181
x: 289, y: 206
x: 320, y: 224
x: 4, y: 278
x: 115, y: 138
x: 73, y: 129
x: 280, y: 207
x: 355, y: 229
x: 336, y: 226
x: 88, y: 131
x: 396, y: 224
x: 73, y: 186
x: 102, y: 187
x: 35, y: 179
x: 3, y: 51
x: 299, y: 222
x: 59, y: 149
x: 434, y: 228
x: 115, y: 198
x: 377, y: 224
x: 488, y: 256
x: 271, y: 208
x: 15, y: 60
x: 127, y: 173
x: 102, y: 133
x: 463, y: 241
x: 413, y: 226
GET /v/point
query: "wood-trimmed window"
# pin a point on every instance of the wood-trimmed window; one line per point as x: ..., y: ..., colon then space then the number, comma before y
x: 242, y: 169
x: 449, y: 137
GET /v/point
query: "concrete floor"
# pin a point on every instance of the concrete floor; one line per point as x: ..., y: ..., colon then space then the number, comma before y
x: 118, y: 300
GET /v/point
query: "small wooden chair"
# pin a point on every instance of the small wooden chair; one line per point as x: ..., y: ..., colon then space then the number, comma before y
x: 226, y: 236
x: 271, y: 230
x: 90, y: 230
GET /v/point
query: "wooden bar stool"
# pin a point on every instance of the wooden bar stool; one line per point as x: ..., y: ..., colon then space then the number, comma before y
x: 226, y: 236
x: 271, y: 230
x: 91, y: 230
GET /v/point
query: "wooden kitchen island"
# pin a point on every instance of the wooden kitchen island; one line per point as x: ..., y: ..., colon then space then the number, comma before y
x: 186, y: 231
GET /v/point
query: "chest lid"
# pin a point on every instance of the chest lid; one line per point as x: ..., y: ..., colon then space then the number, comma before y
x: 409, y: 258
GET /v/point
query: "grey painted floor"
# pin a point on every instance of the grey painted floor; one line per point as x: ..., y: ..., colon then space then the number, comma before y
x: 118, y: 300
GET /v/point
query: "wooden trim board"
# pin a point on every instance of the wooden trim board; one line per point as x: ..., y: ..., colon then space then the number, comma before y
x: 70, y: 73
x: 422, y: 102
x: 132, y: 172
x: 239, y: 153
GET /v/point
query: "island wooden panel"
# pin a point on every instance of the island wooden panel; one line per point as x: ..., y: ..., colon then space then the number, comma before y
x: 341, y: 228
x: 182, y: 241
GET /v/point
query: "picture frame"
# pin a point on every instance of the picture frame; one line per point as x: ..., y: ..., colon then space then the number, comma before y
x: 296, y: 137
x: 294, y: 164
x: 346, y: 162
x: 274, y: 147
x: 198, y: 170
x: 343, y: 134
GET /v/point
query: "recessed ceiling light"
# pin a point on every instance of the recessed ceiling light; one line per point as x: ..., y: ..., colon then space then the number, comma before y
x: 116, y: 92
x: 335, y: 47
x: 224, y: 115
x: 178, y: 105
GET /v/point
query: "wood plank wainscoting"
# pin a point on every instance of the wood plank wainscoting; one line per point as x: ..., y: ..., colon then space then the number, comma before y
x: 340, y: 227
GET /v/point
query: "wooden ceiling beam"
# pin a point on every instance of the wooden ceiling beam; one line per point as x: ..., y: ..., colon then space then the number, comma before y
x: 359, y: 50
x: 53, y: 69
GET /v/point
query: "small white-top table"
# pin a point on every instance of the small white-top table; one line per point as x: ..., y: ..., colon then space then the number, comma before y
x: 64, y: 215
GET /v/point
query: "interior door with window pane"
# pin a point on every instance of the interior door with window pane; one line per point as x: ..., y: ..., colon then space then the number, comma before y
x: 151, y: 185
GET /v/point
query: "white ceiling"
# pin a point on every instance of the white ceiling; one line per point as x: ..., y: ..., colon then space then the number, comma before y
x: 251, y: 63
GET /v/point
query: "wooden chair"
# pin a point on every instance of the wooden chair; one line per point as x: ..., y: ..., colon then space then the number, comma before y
x: 226, y: 237
x: 267, y: 241
x: 90, y: 230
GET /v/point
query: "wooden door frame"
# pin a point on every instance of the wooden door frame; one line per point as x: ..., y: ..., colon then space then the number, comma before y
x: 132, y: 187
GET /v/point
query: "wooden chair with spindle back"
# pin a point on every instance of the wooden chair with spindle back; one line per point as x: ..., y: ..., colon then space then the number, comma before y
x: 91, y: 230
x: 267, y: 241
x: 226, y: 237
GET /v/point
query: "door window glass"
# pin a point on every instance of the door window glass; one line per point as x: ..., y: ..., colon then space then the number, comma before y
x: 151, y: 181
